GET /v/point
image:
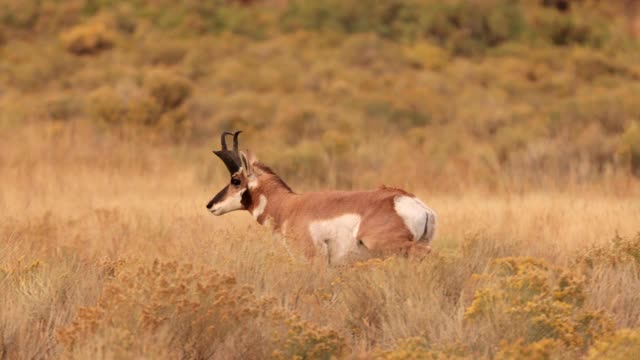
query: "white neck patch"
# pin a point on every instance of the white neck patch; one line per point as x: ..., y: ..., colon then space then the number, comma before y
x: 258, y: 210
x: 253, y: 183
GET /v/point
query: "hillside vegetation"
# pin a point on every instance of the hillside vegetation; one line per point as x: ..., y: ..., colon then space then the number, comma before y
x: 517, y: 121
x: 487, y: 92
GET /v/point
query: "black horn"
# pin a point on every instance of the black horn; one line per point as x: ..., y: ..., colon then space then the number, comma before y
x: 223, y: 140
x: 235, y: 142
x: 230, y: 158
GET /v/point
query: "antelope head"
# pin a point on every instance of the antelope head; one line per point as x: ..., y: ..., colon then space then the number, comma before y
x: 234, y: 196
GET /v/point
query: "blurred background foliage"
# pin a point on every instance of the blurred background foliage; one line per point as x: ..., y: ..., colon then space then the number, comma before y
x: 340, y: 92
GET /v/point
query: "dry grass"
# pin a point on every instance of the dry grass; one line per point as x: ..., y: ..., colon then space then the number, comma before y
x: 517, y: 122
x: 86, y: 216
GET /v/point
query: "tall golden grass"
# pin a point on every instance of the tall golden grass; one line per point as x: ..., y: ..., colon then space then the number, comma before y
x: 107, y: 251
x: 517, y: 121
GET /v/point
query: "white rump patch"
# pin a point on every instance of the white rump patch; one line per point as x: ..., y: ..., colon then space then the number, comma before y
x: 336, y: 237
x: 418, y: 217
x: 258, y: 210
x: 231, y: 203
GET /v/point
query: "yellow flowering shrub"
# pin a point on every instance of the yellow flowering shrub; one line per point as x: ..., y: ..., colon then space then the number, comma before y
x: 309, y: 342
x: 529, y: 299
x: 623, y: 344
x: 545, y: 349
x: 416, y: 348
x: 616, y: 252
x: 88, y: 39
x: 173, y: 310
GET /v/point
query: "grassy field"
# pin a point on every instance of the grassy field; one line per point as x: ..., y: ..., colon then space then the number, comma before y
x: 108, y: 251
x: 517, y: 121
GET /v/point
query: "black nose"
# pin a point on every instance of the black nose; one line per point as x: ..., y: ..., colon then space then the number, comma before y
x: 210, y: 205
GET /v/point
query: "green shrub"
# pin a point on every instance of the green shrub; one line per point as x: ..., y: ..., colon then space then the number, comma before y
x: 167, y: 88
x: 469, y: 28
x: 125, y: 19
x: 20, y: 13
x: 143, y: 109
x: 386, y: 18
x: 630, y: 147
x: 63, y: 107
x: 159, y: 51
x: 197, y: 62
x: 248, y: 109
x: 29, y: 66
x: 252, y: 21
x: 466, y: 27
x: 590, y: 65
x: 157, y: 104
x: 302, y: 162
x: 369, y: 50
x: 105, y: 104
x: 298, y: 123
x: 610, y: 109
x: 563, y: 29
x: 39, y: 16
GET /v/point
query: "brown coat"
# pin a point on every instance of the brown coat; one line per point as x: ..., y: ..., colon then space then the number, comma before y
x: 380, y: 230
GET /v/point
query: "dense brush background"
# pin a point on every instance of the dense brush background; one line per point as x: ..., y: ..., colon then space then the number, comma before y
x: 517, y: 121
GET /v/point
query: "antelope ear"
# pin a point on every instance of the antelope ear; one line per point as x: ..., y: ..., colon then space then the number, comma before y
x: 251, y: 158
x: 247, y: 162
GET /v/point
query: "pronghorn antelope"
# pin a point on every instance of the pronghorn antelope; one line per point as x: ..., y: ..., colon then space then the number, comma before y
x: 340, y: 225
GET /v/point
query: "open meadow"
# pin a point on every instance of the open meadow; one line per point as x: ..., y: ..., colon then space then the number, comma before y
x: 108, y: 251
x: 518, y: 122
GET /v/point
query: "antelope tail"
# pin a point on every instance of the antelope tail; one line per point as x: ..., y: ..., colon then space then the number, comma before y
x: 429, y: 226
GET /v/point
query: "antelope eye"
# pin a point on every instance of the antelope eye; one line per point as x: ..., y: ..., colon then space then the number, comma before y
x: 235, y: 181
